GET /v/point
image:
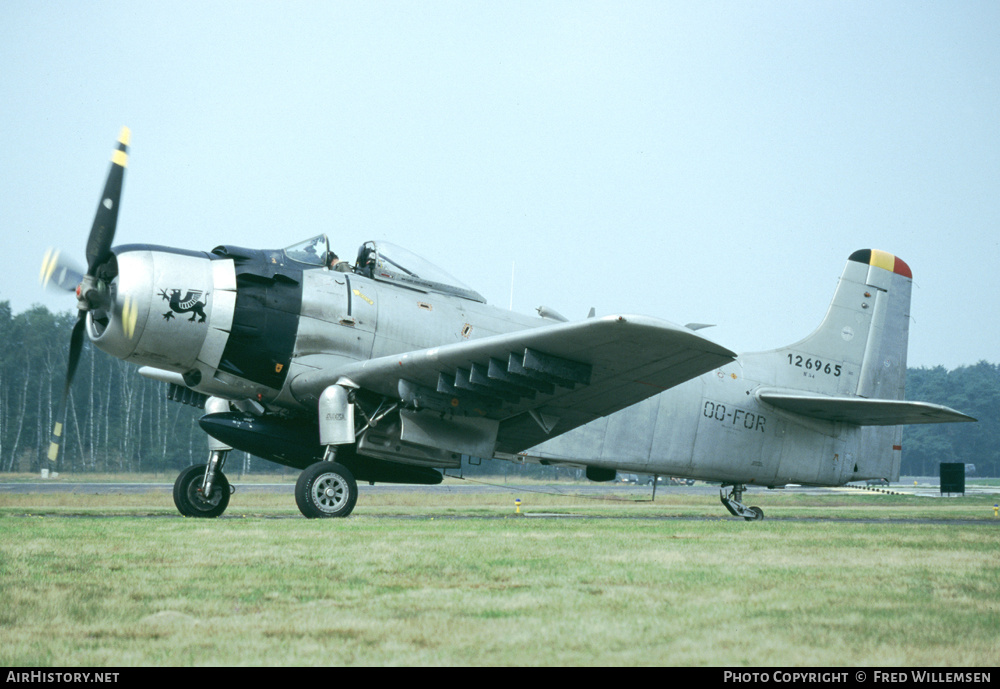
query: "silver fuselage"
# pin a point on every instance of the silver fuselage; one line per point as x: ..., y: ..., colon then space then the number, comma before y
x: 245, y: 326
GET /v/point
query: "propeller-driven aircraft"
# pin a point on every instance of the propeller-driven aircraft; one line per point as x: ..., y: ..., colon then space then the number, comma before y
x: 389, y: 370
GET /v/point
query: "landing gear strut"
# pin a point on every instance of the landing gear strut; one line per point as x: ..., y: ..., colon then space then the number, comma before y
x: 326, y: 488
x: 202, y: 490
x: 734, y: 503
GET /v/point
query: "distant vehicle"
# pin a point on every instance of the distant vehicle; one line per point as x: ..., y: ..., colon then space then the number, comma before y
x: 970, y: 469
x: 673, y: 481
x: 877, y: 482
x: 628, y: 478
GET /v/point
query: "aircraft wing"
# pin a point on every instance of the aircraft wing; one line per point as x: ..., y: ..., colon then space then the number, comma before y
x: 539, y: 382
x: 860, y: 411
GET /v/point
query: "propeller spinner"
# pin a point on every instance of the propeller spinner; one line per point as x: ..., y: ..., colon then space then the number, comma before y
x: 93, y: 290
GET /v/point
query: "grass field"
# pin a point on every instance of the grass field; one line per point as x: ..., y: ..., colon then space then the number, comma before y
x: 422, y: 579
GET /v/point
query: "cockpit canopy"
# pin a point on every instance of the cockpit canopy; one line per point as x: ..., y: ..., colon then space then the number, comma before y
x: 314, y: 251
x: 386, y: 262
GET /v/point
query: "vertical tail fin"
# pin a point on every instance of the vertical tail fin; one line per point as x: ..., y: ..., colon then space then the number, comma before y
x: 860, y: 347
x: 850, y: 374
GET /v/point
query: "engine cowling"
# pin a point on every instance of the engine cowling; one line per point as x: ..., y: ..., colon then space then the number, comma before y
x: 170, y: 309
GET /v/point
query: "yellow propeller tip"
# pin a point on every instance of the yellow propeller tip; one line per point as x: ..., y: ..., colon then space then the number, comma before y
x: 125, y: 136
x: 48, y: 266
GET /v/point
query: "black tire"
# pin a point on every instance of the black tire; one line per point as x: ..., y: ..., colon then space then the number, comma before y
x: 189, y: 500
x: 758, y: 515
x: 326, y: 489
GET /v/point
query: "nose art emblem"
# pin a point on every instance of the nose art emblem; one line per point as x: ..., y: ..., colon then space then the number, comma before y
x: 191, y: 303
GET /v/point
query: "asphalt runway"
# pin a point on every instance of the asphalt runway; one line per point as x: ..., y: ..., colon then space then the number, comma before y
x: 922, y: 488
x: 479, y: 486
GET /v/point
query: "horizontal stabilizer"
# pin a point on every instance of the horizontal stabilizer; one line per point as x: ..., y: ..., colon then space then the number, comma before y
x: 860, y: 411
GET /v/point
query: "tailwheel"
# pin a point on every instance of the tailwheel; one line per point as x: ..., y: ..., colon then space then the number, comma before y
x: 758, y: 514
x: 326, y: 489
x: 734, y: 503
x: 189, y: 496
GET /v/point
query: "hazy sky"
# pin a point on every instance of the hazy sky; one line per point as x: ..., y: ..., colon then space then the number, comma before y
x: 711, y: 162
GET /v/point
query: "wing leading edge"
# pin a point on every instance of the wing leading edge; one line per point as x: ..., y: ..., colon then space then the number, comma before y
x: 861, y: 411
x: 539, y: 382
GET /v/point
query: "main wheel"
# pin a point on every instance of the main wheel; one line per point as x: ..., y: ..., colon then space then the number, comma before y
x: 189, y: 499
x: 326, y: 489
x: 758, y: 514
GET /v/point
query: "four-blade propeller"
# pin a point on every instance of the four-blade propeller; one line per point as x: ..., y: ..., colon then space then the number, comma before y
x: 92, y: 288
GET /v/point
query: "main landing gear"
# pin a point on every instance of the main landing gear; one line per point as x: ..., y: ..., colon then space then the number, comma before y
x: 326, y: 489
x: 202, y: 490
x: 734, y: 503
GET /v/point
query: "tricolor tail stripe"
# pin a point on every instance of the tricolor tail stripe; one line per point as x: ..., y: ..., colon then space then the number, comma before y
x: 883, y: 260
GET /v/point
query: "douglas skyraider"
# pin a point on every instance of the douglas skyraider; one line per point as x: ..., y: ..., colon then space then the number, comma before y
x: 389, y: 369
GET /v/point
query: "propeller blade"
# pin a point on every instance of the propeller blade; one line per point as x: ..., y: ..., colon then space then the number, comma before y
x: 75, y: 348
x: 91, y: 290
x: 58, y: 272
x: 102, y: 234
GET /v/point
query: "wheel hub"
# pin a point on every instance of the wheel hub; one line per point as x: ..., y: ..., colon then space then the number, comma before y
x: 331, y: 492
x: 199, y: 500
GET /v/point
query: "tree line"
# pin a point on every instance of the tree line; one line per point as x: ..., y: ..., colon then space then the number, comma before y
x: 116, y: 420
x: 119, y: 421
